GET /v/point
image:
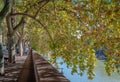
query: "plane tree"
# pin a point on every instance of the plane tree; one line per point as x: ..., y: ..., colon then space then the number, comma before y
x: 78, y: 29
x: 73, y: 30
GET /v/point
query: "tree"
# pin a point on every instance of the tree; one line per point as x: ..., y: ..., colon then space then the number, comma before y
x: 80, y: 28
x: 12, y: 29
x: 4, y: 11
x: 72, y: 30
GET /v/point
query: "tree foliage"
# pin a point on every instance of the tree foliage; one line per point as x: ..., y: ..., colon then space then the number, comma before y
x: 74, y: 30
x: 78, y: 28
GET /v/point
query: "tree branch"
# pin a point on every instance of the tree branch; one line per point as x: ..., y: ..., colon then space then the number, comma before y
x: 18, y: 34
x: 32, y: 17
x: 41, y: 7
x: 54, y: 8
x: 8, y: 18
x: 5, y: 9
x: 22, y: 19
x: 38, y: 3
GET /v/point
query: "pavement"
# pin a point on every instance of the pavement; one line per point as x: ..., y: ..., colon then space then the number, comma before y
x: 12, y: 71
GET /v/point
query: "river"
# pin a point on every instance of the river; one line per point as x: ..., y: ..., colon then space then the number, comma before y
x: 101, y: 75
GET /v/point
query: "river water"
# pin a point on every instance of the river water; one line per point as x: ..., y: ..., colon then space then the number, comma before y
x: 101, y: 75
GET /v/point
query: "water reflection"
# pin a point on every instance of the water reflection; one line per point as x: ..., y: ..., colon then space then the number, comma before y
x: 101, y: 75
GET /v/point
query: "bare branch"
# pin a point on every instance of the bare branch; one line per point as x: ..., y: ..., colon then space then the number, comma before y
x: 20, y: 23
x: 18, y: 34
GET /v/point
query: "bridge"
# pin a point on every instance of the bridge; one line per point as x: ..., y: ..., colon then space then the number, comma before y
x: 32, y: 68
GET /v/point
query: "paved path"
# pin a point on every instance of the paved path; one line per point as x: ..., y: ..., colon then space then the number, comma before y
x: 44, y: 71
x: 12, y: 71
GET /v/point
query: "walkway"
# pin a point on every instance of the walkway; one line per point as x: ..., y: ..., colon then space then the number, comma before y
x: 34, y: 69
x: 12, y: 71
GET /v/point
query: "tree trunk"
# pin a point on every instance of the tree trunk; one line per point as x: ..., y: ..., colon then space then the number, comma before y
x: 20, y: 47
x: 5, y: 9
x: 3, y: 14
x: 10, y: 25
x: 1, y: 61
x: 9, y: 37
x: 1, y: 56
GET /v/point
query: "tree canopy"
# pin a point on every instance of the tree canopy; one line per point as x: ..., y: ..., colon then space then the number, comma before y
x: 74, y: 30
